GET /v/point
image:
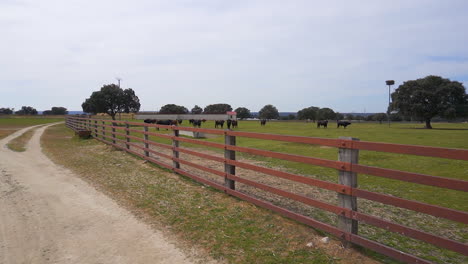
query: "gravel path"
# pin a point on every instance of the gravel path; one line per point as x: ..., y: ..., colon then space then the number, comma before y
x: 49, y: 215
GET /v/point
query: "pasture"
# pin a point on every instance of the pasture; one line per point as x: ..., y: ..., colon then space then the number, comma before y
x: 443, y: 135
x: 10, y: 124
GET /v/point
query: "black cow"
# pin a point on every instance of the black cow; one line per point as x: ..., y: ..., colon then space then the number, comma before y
x: 232, y: 123
x: 150, y: 121
x: 263, y: 122
x: 196, y: 123
x: 219, y: 123
x: 342, y: 123
x: 323, y: 123
x: 166, y: 123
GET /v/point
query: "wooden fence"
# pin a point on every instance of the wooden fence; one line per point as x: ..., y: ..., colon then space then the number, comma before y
x: 347, y: 189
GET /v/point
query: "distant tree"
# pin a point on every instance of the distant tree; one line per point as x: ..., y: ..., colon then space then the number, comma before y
x: 173, y: 109
x: 112, y: 99
x: 359, y: 117
x: 429, y: 97
x: 197, y: 110
x: 308, y: 113
x: 326, y: 114
x: 395, y: 117
x: 59, y: 110
x: 217, y: 109
x: 131, y: 102
x: 268, y: 112
x: 6, y: 111
x: 339, y: 116
x: 26, y: 110
x: 288, y: 117
x: 350, y: 117
x: 242, y: 112
x: 56, y: 111
x: 379, y: 117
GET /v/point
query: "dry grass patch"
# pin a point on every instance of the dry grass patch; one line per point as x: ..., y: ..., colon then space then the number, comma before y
x: 18, y: 144
x: 6, y: 131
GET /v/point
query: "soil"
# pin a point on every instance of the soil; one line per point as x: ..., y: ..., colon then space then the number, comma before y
x: 49, y: 215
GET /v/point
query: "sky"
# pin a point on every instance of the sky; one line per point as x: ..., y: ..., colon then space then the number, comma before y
x: 291, y: 54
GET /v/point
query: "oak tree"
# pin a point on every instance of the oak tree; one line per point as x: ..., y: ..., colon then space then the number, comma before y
x: 429, y: 97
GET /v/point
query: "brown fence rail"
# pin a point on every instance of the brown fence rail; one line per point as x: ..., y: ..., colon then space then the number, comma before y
x: 347, y: 190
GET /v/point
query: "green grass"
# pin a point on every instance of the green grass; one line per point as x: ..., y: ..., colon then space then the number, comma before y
x: 457, y: 137
x: 10, y: 124
x: 443, y: 135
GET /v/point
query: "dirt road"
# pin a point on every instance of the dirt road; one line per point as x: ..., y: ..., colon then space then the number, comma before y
x: 48, y: 215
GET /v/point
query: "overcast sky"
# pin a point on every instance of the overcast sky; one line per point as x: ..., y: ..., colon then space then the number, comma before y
x: 292, y: 54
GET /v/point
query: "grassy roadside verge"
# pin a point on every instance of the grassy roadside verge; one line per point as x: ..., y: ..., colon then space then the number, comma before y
x: 18, y: 144
x: 227, y: 228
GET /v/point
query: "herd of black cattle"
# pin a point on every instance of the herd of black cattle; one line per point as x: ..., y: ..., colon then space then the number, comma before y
x: 193, y: 122
x: 324, y: 123
x: 230, y: 123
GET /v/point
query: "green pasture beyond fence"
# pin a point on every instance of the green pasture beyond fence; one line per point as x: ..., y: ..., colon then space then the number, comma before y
x: 134, y: 138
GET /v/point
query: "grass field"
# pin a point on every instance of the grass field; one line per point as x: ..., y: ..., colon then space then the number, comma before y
x: 10, y: 124
x: 443, y: 135
x: 225, y: 227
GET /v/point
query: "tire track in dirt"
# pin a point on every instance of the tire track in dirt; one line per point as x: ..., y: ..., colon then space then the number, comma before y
x: 49, y: 215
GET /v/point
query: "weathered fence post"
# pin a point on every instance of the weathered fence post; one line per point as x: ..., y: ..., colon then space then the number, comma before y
x: 113, y: 132
x: 127, y: 133
x: 145, y: 137
x: 103, y: 130
x: 95, y: 129
x: 348, y: 178
x: 229, y: 155
x: 175, y: 153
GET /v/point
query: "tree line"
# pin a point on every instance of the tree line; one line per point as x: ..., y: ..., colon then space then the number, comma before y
x: 29, y: 110
x: 421, y: 99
